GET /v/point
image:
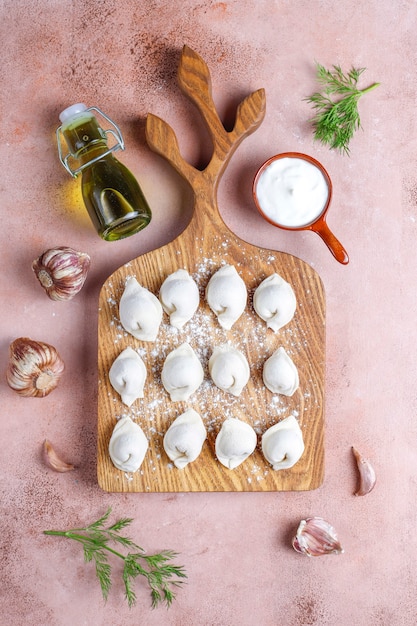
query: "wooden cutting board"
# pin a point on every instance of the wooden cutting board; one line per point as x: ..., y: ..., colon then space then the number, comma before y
x: 202, y: 248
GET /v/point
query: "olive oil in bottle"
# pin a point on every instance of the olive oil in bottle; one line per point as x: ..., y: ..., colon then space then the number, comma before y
x: 112, y: 196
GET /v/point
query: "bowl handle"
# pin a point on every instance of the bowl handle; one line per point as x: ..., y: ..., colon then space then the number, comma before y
x: 320, y: 227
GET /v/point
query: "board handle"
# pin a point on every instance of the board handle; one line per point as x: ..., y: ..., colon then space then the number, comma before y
x: 194, y: 80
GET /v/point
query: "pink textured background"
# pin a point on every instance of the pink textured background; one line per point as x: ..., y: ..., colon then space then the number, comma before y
x: 123, y: 58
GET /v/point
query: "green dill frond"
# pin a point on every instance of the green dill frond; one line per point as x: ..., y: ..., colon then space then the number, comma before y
x: 156, y: 597
x: 120, y: 524
x: 336, y: 116
x: 100, y: 522
x: 160, y: 575
x: 126, y: 542
x: 103, y: 573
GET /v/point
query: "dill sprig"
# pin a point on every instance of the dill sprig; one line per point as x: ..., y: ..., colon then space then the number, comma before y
x: 160, y: 574
x: 337, y: 116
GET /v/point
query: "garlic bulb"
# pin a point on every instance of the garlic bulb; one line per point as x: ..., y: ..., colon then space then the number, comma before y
x: 34, y: 367
x: 316, y: 537
x: 61, y: 272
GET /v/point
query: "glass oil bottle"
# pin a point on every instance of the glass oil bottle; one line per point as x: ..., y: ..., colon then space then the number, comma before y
x: 111, y: 194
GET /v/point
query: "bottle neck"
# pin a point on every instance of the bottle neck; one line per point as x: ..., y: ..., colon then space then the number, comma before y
x: 83, y: 135
x: 92, y: 152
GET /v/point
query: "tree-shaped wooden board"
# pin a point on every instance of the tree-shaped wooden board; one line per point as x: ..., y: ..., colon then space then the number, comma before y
x: 204, y: 246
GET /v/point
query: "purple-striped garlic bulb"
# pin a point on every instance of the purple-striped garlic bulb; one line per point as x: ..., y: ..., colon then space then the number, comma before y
x: 61, y: 271
x: 34, y: 368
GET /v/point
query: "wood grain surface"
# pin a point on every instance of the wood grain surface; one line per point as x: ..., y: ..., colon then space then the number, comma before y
x: 204, y: 246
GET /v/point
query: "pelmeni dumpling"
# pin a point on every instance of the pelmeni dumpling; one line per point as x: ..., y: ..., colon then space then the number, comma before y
x: 282, y: 444
x: 127, y: 376
x: 275, y: 302
x: 235, y: 442
x: 226, y: 295
x: 140, y: 311
x: 182, y: 373
x: 280, y: 375
x: 184, y: 438
x: 229, y: 369
x: 179, y: 297
x: 128, y: 445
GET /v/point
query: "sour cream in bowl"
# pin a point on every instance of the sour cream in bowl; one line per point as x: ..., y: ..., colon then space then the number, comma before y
x: 293, y: 191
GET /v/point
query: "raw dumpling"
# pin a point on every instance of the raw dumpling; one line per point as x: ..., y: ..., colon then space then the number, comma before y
x: 184, y: 438
x: 127, y: 376
x: 280, y: 374
x: 140, y: 311
x: 226, y: 295
x: 274, y: 301
x: 229, y: 369
x: 179, y: 297
x: 282, y: 444
x: 128, y: 445
x: 235, y: 442
x: 182, y: 373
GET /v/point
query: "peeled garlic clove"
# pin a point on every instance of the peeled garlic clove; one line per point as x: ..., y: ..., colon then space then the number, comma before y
x: 61, y: 272
x: 316, y: 537
x: 367, y: 477
x: 53, y: 460
x: 34, y: 367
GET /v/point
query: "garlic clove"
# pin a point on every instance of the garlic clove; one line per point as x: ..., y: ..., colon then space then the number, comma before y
x: 61, y: 271
x: 34, y: 368
x: 316, y: 537
x: 53, y: 460
x: 367, y: 476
